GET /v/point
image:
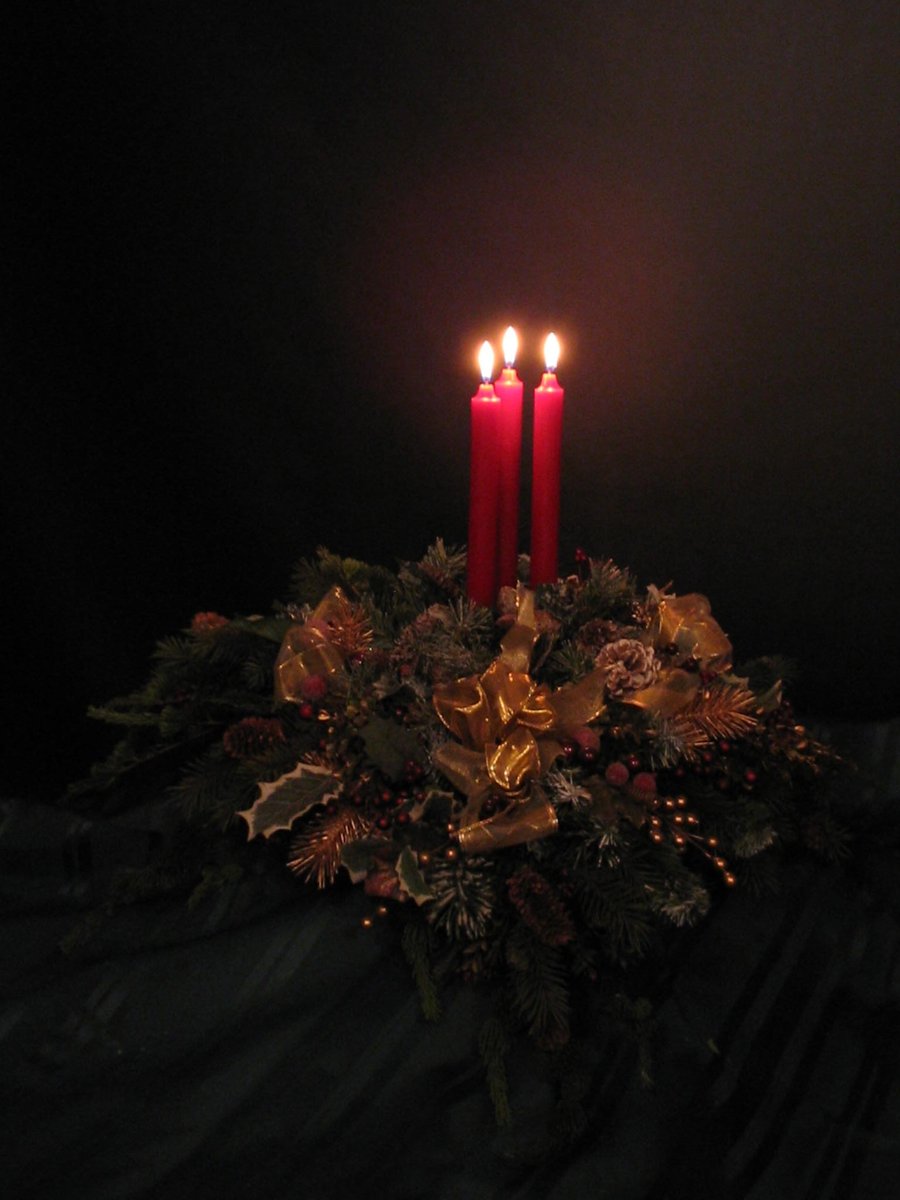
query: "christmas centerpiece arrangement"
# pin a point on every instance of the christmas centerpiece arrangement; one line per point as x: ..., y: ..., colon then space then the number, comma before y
x: 538, y: 783
x: 534, y: 794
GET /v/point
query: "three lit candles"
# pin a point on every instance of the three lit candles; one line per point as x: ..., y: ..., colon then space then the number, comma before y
x: 494, y: 474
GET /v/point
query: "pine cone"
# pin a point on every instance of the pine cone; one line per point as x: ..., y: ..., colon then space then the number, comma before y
x: 630, y: 666
x: 252, y: 736
x: 540, y: 907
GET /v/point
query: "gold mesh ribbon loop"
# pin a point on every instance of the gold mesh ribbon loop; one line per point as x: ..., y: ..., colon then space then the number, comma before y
x: 306, y: 649
x: 687, y: 622
x: 508, y: 726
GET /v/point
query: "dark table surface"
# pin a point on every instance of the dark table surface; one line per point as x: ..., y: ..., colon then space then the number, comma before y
x: 263, y: 1044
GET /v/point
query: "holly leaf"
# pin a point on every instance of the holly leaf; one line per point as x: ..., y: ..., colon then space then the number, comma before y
x: 411, y: 878
x: 390, y: 746
x: 279, y: 804
x: 359, y: 857
x: 770, y: 699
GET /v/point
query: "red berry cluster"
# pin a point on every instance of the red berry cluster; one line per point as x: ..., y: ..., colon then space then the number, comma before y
x: 207, y: 622
x: 723, y: 765
x: 389, y: 802
x: 313, y: 689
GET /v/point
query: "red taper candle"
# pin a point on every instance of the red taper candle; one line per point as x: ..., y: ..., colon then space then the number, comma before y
x: 484, y: 488
x: 545, y: 483
x: 508, y: 387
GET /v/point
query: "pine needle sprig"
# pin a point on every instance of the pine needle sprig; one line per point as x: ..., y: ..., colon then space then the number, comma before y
x: 311, y: 578
x: 416, y: 943
x: 718, y: 713
x: 465, y: 895
x: 568, y: 663
x: 610, y: 591
x: 540, y: 990
x: 129, y: 718
x: 444, y: 567
x: 316, y: 851
x: 494, y: 1047
x: 612, y: 907
x: 211, y: 790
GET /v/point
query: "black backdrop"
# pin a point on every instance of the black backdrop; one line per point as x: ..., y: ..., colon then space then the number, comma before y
x: 255, y: 248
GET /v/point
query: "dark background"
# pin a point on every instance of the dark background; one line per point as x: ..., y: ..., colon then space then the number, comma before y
x: 255, y: 247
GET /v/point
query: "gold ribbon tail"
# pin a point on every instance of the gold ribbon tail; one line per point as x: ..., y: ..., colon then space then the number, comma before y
x: 533, y: 818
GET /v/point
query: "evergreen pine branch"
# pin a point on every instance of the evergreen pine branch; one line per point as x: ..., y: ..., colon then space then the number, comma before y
x: 609, y: 592
x: 568, y: 663
x: 212, y: 789
x: 130, y: 719
x: 416, y: 947
x: 313, y: 577
x: 493, y: 1046
x: 613, y: 906
x: 540, y: 992
x: 444, y: 567
x: 764, y: 672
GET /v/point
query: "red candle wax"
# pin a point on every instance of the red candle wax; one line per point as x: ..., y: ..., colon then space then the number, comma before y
x: 484, y: 489
x: 545, y: 483
x: 508, y: 387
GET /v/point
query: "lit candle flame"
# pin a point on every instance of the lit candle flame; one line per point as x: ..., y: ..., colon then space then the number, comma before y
x: 510, y: 346
x: 551, y: 352
x: 486, y: 361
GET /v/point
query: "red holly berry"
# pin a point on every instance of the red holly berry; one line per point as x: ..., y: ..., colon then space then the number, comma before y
x: 645, y: 782
x: 314, y: 687
x: 586, y: 738
x: 616, y: 774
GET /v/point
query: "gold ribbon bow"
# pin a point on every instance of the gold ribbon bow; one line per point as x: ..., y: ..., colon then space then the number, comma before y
x: 506, y: 725
x: 306, y: 649
x: 685, y: 622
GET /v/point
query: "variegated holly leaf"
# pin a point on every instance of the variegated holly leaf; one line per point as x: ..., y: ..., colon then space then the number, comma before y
x: 360, y: 856
x: 390, y: 746
x: 411, y: 878
x: 279, y: 804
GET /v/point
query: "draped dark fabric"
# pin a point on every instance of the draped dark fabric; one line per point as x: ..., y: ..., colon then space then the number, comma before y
x: 263, y: 1044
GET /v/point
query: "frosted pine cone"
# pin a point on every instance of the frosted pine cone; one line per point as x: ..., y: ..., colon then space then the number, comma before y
x: 631, y: 666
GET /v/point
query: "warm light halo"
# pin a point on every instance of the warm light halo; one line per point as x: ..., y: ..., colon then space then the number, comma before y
x: 486, y: 361
x: 510, y: 346
x: 551, y: 351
